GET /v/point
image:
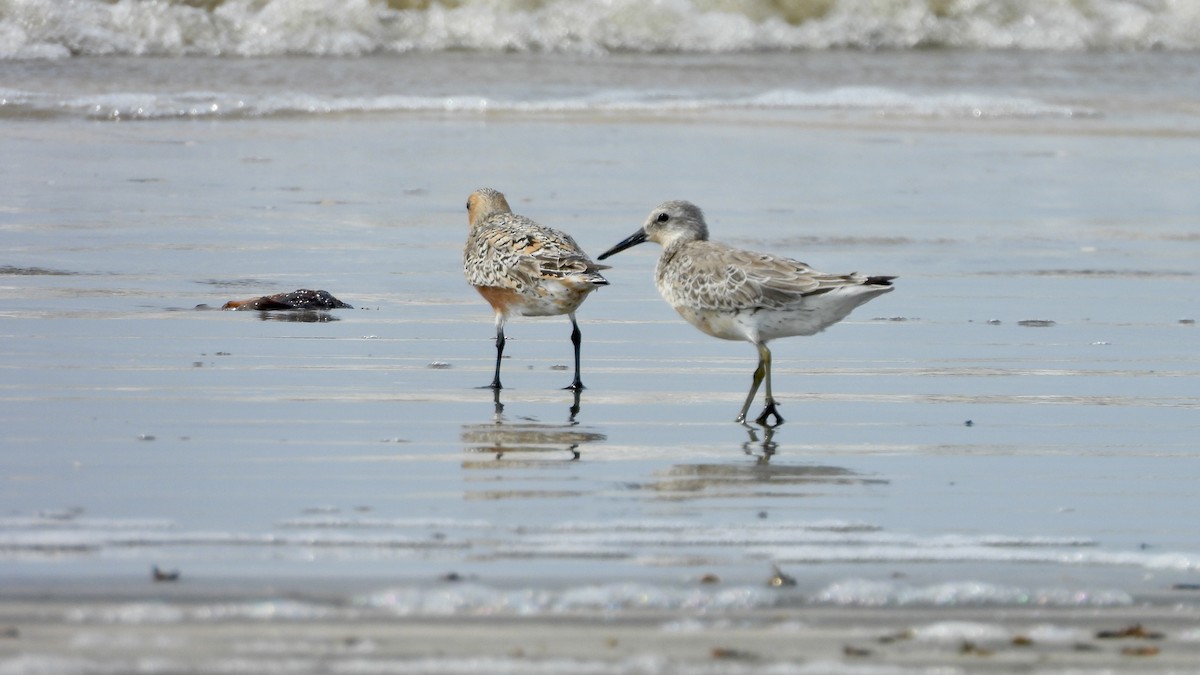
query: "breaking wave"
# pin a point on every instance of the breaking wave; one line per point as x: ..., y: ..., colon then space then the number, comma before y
x: 55, y: 29
x: 225, y: 105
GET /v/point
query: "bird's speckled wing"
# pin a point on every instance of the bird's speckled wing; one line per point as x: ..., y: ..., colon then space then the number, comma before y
x: 511, y: 251
x: 710, y: 275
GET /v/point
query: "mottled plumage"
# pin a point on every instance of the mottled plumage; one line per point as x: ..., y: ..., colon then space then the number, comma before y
x: 736, y: 294
x: 523, y: 268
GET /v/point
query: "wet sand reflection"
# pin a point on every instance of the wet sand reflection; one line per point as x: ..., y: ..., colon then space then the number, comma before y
x: 525, y: 442
x: 759, y: 479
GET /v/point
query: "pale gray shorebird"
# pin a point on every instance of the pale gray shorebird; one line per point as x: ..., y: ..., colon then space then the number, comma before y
x: 735, y: 294
x: 523, y: 268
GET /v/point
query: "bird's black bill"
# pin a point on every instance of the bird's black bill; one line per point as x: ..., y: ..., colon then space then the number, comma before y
x: 637, y: 238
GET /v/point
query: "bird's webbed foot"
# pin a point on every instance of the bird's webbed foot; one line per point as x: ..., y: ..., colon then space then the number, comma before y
x: 769, y: 412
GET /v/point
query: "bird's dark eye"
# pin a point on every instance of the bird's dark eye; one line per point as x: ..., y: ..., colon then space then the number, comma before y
x: 662, y: 218
x: 468, y: 204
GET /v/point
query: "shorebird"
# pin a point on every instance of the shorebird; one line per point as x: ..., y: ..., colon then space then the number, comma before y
x: 523, y: 268
x: 735, y: 294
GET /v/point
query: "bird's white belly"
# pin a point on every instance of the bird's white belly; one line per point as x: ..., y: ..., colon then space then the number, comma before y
x: 808, y: 317
x: 724, y: 325
x: 755, y: 325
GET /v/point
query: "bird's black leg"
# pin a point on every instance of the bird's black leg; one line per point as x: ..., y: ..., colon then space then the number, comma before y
x: 577, y: 341
x: 499, y: 353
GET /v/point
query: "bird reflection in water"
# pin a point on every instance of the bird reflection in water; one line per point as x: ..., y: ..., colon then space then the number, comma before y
x: 527, y: 440
x: 763, y: 450
x: 759, y: 478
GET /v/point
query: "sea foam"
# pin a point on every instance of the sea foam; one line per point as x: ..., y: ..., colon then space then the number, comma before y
x: 53, y: 29
x: 871, y: 101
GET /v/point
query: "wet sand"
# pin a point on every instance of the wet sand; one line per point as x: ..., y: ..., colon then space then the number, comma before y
x: 68, y: 636
x: 1000, y: 448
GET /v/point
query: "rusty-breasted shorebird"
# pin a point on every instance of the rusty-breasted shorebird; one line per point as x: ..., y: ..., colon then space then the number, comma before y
x: 523, y: 268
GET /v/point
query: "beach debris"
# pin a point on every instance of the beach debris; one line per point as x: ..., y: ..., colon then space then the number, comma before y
x: 1187, y: 322
x: 1035, y: 323
x: 710, y: 578
x: 456, y: 577
x: 968, y: 648
x: 969, y: 423
x: 906, y: 634
x: 10, y: 632
x: 727, y: 654
x: 855, y: 652
x: 994, y: 322
x: 145, y: 437
x: 1140, y: 651
x: 1185, y: 587
x: 162, y: 575
x: 439, y: 365
x: 1022, y: 641
x: 779, y: 579
x: 1133, y: 631
x: 298, y: 299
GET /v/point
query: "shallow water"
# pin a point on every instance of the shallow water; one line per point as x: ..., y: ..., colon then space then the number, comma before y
x: 1015, y: 424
